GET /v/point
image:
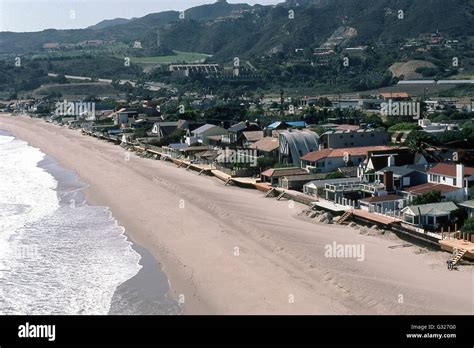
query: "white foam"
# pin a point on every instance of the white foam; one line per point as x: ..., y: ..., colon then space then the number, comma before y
x: 54, y: 259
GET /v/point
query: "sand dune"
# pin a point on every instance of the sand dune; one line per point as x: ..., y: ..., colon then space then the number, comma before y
x: 232, y: 251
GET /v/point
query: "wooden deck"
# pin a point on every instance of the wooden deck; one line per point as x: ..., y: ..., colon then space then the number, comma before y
x: 375, y: 218
x: 451, y: 244
x: 263, y: 186
x: 244, y: 182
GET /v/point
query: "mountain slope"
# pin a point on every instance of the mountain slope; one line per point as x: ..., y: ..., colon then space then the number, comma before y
x: 109, y: 23
x: 17, y: 43
x: 229, y: 30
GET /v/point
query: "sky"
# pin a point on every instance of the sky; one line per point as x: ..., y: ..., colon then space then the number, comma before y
x: 37, y: 15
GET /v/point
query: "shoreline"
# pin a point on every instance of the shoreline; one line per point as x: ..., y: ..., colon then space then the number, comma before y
x: 69, y: 185
x: 280, y: 255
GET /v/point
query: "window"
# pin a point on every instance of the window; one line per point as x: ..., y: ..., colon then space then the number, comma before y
x: 430, y: 220
x: 455, y: 182
x: 435, y: 178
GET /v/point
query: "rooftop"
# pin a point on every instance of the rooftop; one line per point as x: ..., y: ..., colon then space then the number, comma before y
x: 267, y: 144
x: 203, y: 128
x: 442, y: 208
x: 468, y: 204
x: 279, y: 172
x: 449, y: 169
x: 290, y: 124
x: 333, y: 153
x: 398, y: 171
x: 429, y: 187
x: 253, y: 135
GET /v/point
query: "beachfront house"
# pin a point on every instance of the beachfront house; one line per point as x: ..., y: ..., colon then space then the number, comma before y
x: 235, y: 135
x: 398, y: 178
x: 318, y: 187
x: 396, y: 156
x: 431, y: 215
x: 273, y: 175
x: 454, y: 181
x: 329, y: 160
x: 468, y: 206
x: 201, y: 135
x: 297, y: 182
x: 266, y: 147
x: 124, y: 116
x: 382, y: 204
x: 296, y: 143
x: 163, y: 129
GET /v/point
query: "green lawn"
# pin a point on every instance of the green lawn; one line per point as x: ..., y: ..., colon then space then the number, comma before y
x: 179, y: 56
x: 92, y: 50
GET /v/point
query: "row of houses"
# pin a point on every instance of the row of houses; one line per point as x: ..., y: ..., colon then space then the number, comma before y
x: 352, y: 168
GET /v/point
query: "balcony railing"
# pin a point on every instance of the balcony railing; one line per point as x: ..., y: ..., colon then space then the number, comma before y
x: 351, y: 187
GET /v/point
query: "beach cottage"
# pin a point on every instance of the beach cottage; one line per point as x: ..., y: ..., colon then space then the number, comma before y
x: 429, y: 215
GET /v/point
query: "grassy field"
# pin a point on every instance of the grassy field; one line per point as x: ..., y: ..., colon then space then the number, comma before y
x: 188, y: 57
x: 111, y: 49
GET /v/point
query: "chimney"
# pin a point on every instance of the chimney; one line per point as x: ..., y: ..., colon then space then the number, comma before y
x: 391, y: 161
x: 460, y: 175
x: 388, y: 181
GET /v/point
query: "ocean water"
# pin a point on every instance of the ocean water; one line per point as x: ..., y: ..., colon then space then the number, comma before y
x: 59, y: 255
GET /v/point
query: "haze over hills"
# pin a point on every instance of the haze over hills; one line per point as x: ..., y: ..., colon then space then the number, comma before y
x: 226, y: 30
x: 107, y: 23
x: 296, y: 44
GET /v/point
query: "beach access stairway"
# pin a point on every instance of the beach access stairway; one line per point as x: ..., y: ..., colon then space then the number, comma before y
x: 344, y: 217
x: 459, y: 255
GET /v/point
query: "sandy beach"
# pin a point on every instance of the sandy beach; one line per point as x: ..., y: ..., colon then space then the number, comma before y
x: 228, y: 250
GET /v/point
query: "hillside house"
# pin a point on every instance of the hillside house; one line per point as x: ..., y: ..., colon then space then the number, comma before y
x: 362, y: 137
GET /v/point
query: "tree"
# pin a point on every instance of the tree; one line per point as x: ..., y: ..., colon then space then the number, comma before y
x: 266, y: 162
x: 404, y: 126
x: 427, y: 198
x: 419, y: 141
x: 335, y: 175
x: 468, y: 226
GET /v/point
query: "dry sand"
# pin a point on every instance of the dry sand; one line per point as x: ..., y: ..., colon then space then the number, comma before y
x: 194, y: 224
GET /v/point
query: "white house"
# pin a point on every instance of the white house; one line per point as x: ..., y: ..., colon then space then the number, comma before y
x: 329, y: 160
x: 454, y: 181
x: 201, y: 134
